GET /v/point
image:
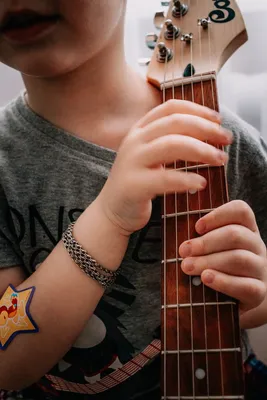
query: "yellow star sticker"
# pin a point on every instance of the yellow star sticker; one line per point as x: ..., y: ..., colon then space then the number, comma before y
x: 15, y: 316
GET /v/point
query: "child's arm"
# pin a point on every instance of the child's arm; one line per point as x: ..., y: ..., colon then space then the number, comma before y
x: 62, y: 303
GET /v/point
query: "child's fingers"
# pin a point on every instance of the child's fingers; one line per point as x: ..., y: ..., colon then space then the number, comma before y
x: 235, y: 212
x: 230, y: 237
x: 250, y: 292
x: 233, y: 262
x: 178, y: 107
x: 170, y: 181
x: 167, y: 149
x: 187, y: 125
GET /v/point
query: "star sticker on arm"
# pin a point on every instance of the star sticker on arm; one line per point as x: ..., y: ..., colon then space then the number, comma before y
x: 15, y: 315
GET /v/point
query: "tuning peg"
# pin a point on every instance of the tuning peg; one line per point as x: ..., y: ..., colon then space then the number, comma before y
x: 204, y: 22
x: 172, y: 32
x: 144, y: 62
x: 179, y: 9
x: 187, y: 37
x: 165, y: 3
x: 164, y: 53
x: 159, y: 19
x: 151, y: 40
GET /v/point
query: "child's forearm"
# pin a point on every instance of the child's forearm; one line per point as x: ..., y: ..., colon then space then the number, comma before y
x: 64, y: 299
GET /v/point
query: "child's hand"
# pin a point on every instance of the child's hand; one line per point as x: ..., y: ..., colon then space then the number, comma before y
x: 230, y: 256
x: 172, y: 131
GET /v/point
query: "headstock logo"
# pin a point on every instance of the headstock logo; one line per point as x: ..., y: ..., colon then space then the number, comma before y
x: 224, y: 12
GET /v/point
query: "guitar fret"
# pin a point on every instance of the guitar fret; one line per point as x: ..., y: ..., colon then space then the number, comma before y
x: 201, y: 351
x: 189, y: 305
x: 194, y: 167
x: 193, y: 212
x: 203, y: 397
x: 171, y: 260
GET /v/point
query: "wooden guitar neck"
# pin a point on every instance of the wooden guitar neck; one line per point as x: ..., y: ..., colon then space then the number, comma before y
x: 201, y: 351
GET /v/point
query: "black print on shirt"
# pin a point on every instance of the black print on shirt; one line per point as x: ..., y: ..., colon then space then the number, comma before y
x: 17, y: 225
x: 150, y: 235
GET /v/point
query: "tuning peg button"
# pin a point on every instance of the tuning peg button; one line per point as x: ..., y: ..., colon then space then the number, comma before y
x: 187, y: 37
x: 164, y: 53
x: 165, y: 3
x: 144, y: 62
x: 172, y: 32
x: 159, y: 19
x: 151, y: 40
x: 204, y: 22
x: 179, y: 9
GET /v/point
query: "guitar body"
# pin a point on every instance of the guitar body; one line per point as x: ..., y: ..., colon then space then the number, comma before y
x: 201, y: 351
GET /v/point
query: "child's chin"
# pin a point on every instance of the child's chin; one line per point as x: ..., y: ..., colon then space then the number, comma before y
x: 42, y: 66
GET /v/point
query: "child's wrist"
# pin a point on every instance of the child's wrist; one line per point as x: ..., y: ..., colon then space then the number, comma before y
x: 102, y: 239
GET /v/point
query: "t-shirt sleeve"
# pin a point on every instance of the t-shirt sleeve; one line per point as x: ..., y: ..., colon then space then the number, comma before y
x: 253, y: 190
x: 9, y: 247
x: 247, y: 169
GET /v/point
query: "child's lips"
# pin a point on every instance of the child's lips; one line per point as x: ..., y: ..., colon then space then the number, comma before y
x: 26, y: 26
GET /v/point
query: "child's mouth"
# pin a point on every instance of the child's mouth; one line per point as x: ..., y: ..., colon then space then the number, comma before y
x: 26, y: 25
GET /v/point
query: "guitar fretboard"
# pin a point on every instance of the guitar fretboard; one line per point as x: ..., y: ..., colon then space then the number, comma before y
x: 201, y: 353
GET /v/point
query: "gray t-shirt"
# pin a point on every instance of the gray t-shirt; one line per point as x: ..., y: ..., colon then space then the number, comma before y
x: 47, y: 178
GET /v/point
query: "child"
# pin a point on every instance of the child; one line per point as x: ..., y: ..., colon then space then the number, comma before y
x: 58, y: 142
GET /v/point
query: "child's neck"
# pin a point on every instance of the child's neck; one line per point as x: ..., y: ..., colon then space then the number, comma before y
x: 98, y: 102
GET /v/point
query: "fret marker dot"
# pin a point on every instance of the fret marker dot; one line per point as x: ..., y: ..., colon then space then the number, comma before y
x: 192, y: 191
x: 196, y: 281
x: 200, y: 374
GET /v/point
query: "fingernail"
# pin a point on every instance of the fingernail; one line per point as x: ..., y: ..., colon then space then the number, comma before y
x: 200, y: 226
x: 207, y: 277
x: 222, y: 156
x: 217, y: 116
x: 228, y: 135
x: 185, y: 250
x: 203, y: 183
x: 188, y: 265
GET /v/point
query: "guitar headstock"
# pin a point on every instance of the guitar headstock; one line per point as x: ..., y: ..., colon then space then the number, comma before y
x: 196, y: 39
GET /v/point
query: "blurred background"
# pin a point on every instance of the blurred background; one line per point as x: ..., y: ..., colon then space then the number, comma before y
x: 242, y: 81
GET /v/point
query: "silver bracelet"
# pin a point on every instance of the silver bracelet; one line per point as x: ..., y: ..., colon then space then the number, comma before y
x: 102, y: 275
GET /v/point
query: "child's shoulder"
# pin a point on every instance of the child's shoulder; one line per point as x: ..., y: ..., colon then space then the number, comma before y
x: 6, y: 127
x: 7, y: 119
x: 248, y: 141
x: 248, y: 152
x: 12, y: 126
x: 247, y: 165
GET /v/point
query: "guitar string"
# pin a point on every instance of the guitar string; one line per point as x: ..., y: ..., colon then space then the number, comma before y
x: 222, y: 194
x: 211, y: 207
x: 176, y: 241
x: 223, y: 171
x: 188, y: 231
x: 223, y: 177
x: 200, y: 29
x: 165, y: 262
x: 224, y: 189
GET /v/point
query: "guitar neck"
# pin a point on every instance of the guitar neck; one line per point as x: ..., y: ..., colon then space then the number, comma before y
x: 201, y: 351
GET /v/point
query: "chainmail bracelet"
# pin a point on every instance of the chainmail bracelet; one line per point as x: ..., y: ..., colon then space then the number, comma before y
x: 102, y: 275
